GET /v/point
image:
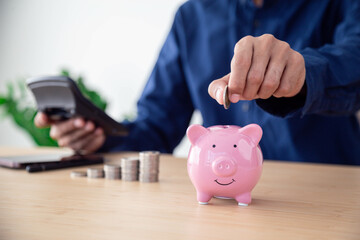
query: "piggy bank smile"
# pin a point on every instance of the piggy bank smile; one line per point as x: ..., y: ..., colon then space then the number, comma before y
x: 224, y: 184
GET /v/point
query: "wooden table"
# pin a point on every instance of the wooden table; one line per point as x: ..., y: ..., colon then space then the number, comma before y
x: 291, y: 201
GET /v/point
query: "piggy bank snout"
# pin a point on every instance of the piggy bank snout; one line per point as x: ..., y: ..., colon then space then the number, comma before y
x: 223, y: 167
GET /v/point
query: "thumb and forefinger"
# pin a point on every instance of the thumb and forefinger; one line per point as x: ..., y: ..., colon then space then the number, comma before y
x: 41, y: 120
x: 216, y: 88
x: 236, y: 79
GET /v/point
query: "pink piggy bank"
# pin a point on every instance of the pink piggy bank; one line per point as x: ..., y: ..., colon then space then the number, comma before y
x: 225, y: 161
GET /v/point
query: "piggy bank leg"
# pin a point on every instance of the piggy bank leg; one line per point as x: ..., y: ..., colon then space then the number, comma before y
x: 203, y: 198
x: 243, y: 199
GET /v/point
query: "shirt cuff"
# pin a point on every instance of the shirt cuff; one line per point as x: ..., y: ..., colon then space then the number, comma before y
x: 285, y: 106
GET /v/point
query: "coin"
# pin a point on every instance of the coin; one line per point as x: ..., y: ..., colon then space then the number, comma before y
x: 151, y: 178
x: 74, y: 174
x: 226, y: 98
x: 112, y: 171
x: 149, y: 166
x: 130, y: 169
x: 95, y: 173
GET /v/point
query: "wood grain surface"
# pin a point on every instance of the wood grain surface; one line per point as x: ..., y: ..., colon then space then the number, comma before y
x: 291, y: 201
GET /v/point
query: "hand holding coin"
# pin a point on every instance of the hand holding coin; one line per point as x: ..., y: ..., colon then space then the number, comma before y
x: 261, y: 67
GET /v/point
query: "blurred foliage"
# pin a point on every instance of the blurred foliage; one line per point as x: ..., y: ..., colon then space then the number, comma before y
x: 12, y: 104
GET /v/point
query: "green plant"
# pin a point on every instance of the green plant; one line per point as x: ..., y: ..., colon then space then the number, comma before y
x: 13, y: 104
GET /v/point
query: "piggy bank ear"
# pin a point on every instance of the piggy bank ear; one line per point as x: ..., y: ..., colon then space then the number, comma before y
x: 194, y: 132
x: 253, y: 131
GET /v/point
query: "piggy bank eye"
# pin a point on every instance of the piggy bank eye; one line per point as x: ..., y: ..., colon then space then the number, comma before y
x: 235, y: 145
x: 213, y: 145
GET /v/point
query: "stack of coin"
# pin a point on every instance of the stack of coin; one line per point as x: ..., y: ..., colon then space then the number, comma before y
x: 130, y: 168
x: 149, y: 166
x: 112, y: 171
x: 95, y: 173
x: 75, y: 174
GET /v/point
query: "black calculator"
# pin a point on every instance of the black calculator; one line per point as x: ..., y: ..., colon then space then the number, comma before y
x: 60, y: 99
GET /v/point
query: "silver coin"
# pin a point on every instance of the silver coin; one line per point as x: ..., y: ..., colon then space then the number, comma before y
x: 112, y: 171
x: 130, y: 177
x: 78, y: 174
x: 112, y: 167
x: 148, y: 175
x: 144, y: 167
x: 95, y: 173
x: 129, y: 162
x: 112, y: 176
x: 149, y: 166
x: 130, y: 169
x: 149, y: 178
x: 226, y: 98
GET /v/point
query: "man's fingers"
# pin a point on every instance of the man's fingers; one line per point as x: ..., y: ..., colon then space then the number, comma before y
x: 292, y: 79
x: 90, y: 143
x: 260, y: 68
x: 216, y: 88
x: 76, y: 135
x: 259, y: 64
x: 240, y: 65
x: 41, y: 120
x: 275, y: 70
x: 96, y: 142
x: 272, y: 77
x: 285, y: 85
x: 271, y: 81
x: 62, y: 128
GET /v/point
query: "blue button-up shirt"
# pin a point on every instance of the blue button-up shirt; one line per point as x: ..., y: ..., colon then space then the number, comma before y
x: 319, y: 128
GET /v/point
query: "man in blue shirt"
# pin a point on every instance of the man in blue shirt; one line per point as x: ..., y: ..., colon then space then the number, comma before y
x: 293, y: 67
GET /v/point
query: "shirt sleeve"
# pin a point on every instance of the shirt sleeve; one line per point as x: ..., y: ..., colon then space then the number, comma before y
x: 165, y: 108
x: 332, y: 73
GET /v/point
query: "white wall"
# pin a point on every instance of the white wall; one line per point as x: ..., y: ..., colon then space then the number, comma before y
x: 113, y: 43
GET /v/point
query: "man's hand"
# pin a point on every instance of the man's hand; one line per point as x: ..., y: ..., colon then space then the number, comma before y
x: 260, y: 68
x: 75, y: 133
